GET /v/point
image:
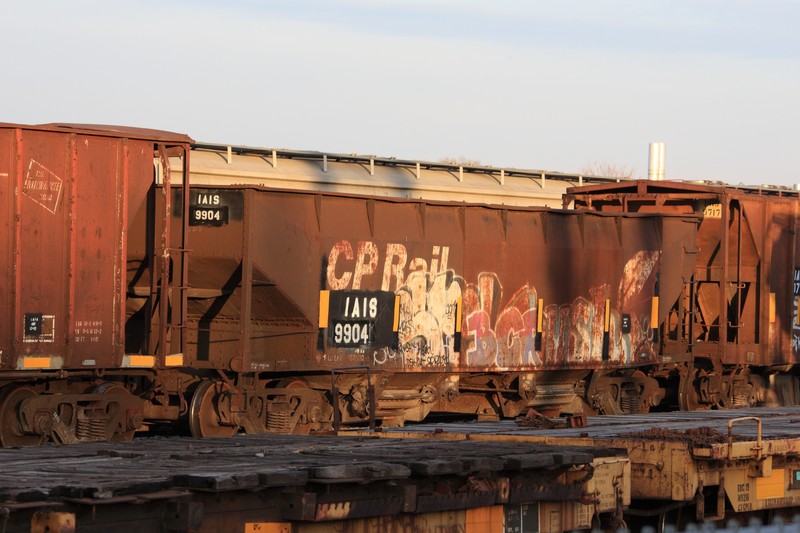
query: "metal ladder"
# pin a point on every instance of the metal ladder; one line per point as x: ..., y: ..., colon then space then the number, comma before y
x: 172, y: 307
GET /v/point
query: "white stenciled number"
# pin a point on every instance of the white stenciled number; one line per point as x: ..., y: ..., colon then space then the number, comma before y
x: 204, y: 214
x: 351, y: 333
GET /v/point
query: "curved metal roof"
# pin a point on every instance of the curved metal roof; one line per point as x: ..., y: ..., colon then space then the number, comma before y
x: 107, y: 131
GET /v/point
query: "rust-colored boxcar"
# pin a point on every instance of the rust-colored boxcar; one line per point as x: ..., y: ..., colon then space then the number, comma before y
x: 66, y: 194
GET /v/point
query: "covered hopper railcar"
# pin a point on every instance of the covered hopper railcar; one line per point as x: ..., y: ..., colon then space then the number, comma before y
x: 733, y: 337
x: 417, y: 306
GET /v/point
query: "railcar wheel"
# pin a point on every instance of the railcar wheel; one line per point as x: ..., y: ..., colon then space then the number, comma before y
x: 115, y: 390
x: 11, y: 433
x: 688, y: 393
x: 204, y: 420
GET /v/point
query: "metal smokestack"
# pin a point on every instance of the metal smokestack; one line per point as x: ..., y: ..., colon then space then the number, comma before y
x: 658, y: 156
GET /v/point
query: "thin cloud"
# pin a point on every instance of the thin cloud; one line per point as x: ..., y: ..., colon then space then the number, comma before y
x: 549, y: 85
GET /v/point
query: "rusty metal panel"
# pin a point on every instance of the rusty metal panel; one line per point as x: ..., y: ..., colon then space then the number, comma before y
x: 272, y: 237
x: 795, y: 228
x: 215, y: 276
x: 780, y: 268
x: 43, y: 241
x: 139, y: 251
x: 678, y: 260
x: 744, y: 254
x: 458, y: 287
x: 8, y: 172
x: 65, y: 233
x: 97, y: 251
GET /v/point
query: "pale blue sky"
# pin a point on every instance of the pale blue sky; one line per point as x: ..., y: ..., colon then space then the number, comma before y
x: 547, y: 85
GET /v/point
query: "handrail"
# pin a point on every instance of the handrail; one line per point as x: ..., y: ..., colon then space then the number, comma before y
x: 759, y: 448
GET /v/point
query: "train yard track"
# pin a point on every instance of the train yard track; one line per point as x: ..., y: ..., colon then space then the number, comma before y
x: 619, y: 470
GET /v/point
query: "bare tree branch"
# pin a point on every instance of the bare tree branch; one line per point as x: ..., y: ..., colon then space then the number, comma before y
x: 609, y: 170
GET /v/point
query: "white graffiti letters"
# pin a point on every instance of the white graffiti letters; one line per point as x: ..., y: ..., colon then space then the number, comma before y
x: 396, y: 259
x: 348, y: 269
x: 339, y: 283
x: 366, y: 262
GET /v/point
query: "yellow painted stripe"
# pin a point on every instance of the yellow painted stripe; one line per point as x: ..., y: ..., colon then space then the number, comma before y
x: 141, y: 360
x: 773, y: 486
x: 654, y: 313
x: 772, y: 307
x: 174, y: 360
x: 267, y: 527
x: 324, y: 305
x: 541, y: 314
x: 396, y: 323
x: 608, y: 316
x: 459, y: 304
x: 35, y: 362
x: 482, y: 519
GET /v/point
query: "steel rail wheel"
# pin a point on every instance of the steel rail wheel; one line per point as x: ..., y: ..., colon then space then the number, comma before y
x: 11, y: 433
x: 688, y: 394
x: 203, y: 416
x: 112, y: 390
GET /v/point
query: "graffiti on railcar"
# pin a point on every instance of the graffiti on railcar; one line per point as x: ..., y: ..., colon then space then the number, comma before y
x: 428, y: 316
x: 429, y: 293
x: 347, y: 268
x: 505, y: 336
x: 498, y: 331
x: 795, y: 310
